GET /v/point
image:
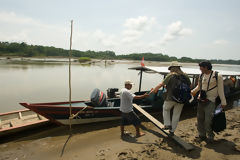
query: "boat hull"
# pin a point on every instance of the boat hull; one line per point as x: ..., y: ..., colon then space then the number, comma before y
x: 58, y: 112
x: 85, y: 121
x: 17, y: 121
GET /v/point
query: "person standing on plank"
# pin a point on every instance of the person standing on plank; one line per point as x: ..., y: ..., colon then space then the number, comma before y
x: 173, y: 99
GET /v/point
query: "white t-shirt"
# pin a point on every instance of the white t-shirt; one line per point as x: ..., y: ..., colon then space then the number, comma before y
x: 126, y: 98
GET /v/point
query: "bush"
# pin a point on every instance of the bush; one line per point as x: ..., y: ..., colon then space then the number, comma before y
x: 84, y: 59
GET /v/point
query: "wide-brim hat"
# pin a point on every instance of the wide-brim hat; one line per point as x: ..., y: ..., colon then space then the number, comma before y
x: 174, y: 64
x: 128, y: 82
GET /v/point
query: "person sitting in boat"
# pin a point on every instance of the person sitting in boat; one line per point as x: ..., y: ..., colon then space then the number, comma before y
x: 228, y: 85
x: 233, y: 79
x: 169, y: 103
x: 126, y: 108
x: 237, y: 83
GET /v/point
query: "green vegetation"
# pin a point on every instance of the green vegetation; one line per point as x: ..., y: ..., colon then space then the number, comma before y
x: 84, y: 59
x: 25, y: 50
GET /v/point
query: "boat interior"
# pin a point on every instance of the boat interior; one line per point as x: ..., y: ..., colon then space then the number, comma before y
x: 231, y: 86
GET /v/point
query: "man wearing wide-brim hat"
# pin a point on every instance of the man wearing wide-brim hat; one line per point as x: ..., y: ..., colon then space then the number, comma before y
x: 174, y: 64
x: 169, y: 103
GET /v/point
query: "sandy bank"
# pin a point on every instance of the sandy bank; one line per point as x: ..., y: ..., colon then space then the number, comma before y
x: 102, y: 141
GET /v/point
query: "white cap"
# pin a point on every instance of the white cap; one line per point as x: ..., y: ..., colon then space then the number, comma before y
x: 128, y: 82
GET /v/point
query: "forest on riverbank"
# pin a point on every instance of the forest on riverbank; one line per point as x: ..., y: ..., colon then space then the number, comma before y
x: 25, y: 50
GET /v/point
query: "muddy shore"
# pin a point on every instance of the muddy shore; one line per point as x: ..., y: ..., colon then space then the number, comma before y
x: 101, y: 141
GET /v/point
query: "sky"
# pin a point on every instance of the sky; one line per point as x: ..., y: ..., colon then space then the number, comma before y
x: 208, y: 29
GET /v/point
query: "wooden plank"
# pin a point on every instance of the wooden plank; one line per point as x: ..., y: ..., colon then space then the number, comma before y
x: 158, y: 124
x: 152, y: 119
x: 20, y: 115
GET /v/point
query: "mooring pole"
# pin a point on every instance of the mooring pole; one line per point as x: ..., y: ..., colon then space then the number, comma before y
x: 70, y: 93
x: 140, y: 83
x: 70, y: 87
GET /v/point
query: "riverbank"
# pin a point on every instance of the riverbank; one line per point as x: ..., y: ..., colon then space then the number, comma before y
x: 74, y: 61
x: 101, y: 141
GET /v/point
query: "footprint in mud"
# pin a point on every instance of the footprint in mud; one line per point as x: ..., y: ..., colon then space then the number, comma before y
x: 234, y: 126
x: 101, y: 153
x: 236, y: 140
x: 227, y: 135
x: 129, y: 154
x: 122, y: 154
x: 237, y: 148
x: 162, y: 143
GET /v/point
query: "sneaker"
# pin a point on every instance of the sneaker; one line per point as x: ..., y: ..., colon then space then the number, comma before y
x: 167, y: 128
x: 171, y: 133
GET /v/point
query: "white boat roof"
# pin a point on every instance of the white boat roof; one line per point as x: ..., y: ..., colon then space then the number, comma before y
x: 189, y: 71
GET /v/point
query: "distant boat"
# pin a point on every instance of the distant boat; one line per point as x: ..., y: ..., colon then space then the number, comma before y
x: 21, y: 120
x: 101, y: 108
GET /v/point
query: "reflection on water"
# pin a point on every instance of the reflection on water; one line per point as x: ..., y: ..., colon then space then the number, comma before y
x: 48, y: 82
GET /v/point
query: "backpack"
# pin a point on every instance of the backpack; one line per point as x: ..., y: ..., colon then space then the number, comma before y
x: 181, y: 91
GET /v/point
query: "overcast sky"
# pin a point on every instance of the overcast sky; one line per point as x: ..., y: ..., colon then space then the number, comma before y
x: 194, y: 28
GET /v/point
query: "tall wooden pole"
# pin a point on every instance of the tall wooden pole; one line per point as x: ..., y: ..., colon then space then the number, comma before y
x: 140, y: 83
x: 70, y: 87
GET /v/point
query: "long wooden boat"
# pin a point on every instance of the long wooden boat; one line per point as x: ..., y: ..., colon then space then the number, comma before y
x: 16, y: 121
x: 58, y: 112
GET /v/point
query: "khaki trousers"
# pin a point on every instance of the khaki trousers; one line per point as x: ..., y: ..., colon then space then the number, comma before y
x: 167, y: 106
x: 205, y: 112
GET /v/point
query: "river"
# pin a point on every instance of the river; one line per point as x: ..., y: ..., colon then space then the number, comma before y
x: 35, y: 82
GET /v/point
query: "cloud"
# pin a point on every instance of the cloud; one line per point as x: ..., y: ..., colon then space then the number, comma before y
x: 221, y: 42
x: 18, y: 28
x: 140, y: 34
x: 136, y: 27
x: 174, y: 31
x: 11, y: 17
x: 107, y: 40
x: 140, y: 23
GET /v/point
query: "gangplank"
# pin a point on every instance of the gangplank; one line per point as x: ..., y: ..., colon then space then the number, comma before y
x: 159, y: 125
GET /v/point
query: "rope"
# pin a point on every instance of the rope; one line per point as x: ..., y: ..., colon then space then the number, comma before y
x: 70, y: 87
x: 75, y: 115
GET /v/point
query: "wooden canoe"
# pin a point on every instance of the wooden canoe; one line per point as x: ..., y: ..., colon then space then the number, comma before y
x: 16, y: 121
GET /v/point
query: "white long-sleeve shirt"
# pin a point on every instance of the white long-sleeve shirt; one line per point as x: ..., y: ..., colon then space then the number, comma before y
x: 212, y: 94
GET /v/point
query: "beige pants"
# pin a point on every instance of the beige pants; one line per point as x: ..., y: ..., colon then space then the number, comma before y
x: 177, y: 109
x: 205, y: 112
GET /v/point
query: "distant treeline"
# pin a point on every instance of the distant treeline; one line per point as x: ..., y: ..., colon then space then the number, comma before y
x: 25, y: 50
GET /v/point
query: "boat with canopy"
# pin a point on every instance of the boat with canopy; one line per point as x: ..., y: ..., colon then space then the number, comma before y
x: 105, y: 108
